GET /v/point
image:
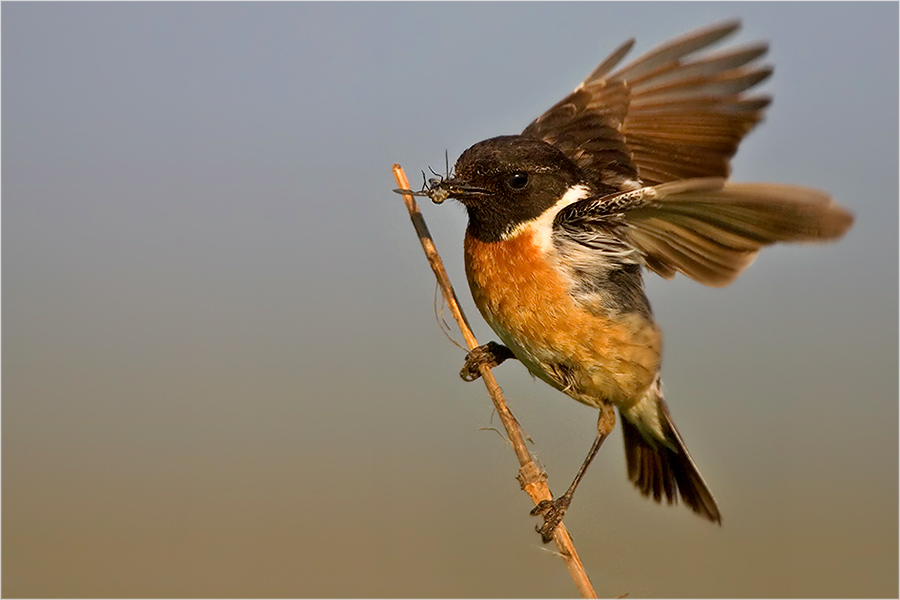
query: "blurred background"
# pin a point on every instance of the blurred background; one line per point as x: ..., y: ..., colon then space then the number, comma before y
x: 222, y: 370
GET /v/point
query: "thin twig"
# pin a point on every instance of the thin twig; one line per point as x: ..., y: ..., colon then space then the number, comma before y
x: 531, y: 477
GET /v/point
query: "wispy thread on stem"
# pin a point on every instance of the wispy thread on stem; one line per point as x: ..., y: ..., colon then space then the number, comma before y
x: 439, y: 316
x: 531, y: 477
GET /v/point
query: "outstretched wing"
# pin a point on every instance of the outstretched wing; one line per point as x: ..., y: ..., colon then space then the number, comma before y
x: 665, y: 116
x: 708, y: 229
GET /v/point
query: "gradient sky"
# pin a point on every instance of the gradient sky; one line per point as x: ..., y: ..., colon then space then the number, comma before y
x: 223, y: 374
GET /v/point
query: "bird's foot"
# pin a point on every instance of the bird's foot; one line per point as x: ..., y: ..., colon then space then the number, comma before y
x: 490, y: 355
x: 553, y: 512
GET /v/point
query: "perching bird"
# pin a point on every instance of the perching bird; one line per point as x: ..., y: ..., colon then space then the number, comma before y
x: 626, y: 173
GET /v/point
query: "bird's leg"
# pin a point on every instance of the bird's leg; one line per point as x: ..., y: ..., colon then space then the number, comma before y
x: 554, y: 510
x: 490, y: 354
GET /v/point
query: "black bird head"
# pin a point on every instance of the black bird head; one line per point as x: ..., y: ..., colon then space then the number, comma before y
x: 505, y: 181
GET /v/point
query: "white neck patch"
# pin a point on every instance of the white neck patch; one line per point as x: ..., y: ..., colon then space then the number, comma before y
x: 542, y: 226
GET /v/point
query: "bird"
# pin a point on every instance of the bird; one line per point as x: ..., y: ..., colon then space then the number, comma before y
x: 628, y: 174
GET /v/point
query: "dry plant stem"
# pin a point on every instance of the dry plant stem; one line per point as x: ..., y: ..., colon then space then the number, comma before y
x: 532, y: 479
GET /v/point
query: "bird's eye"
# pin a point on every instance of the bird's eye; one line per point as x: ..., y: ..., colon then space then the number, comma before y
x: 517, y: 180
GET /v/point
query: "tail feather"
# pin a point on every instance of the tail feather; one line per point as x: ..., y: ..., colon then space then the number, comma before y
x: 666, y: 470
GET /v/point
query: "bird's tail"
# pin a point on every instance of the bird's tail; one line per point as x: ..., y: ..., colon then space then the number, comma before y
x: 664, y: 468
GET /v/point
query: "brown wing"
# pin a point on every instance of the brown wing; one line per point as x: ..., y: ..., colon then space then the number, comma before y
x: 665, y: 116
x: 709, y: 229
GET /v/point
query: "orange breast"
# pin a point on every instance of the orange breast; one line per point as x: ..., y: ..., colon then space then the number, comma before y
x: 526, y: 301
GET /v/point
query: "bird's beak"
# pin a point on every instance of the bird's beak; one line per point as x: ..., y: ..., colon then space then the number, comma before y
x: 441, y: 189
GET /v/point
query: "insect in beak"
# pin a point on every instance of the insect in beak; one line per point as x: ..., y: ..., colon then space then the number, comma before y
x: 439, y: 190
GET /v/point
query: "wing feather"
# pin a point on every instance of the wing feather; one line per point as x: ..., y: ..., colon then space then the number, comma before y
x: 707, y: 67
x: 678, y: 48
x: 708, y: 229
x: 667, y: 115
